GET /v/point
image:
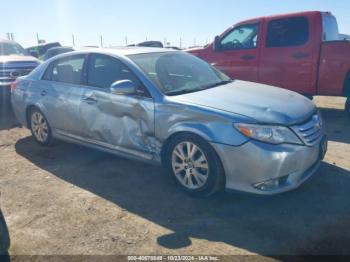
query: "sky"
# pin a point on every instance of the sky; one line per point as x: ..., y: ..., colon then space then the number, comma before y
x: 189, y: 22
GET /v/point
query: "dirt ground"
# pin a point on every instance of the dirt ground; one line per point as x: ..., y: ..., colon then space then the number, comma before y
x: 72, y: 200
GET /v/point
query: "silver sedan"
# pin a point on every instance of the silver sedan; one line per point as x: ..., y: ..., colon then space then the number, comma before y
x: 169, y: 107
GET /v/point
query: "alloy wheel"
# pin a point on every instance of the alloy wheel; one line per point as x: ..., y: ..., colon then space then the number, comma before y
x: 190, y: 165
x: 39, y: 127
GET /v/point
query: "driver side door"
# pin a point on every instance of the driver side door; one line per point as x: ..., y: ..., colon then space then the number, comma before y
x: 238, y: 55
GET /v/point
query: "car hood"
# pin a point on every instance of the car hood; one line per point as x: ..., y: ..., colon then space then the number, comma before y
x: 17, y: 58
x: 265, y: 104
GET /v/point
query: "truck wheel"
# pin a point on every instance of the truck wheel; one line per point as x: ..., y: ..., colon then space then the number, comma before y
x: 195, y: 165
x: 310, y: 97
x: 347, y: 106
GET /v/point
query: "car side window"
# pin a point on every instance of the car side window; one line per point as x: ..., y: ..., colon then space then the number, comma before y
x: 48, y: 73
x: 104, y: 70
x: 66, y: 70
x: 241, y: 37
x: 292, y: 31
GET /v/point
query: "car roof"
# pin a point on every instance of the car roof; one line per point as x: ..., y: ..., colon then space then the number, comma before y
x: 60, y: 47
x: 133, y: 50
x: 120, y: 51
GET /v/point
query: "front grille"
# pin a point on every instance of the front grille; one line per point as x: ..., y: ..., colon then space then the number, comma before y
x: 311, y: 130
x: 11, y: 71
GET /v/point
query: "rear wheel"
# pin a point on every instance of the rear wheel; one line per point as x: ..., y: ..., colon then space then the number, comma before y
x: 310, y: 97
x: 195, y: 165
x: 40, y: 128
x: 4, y: 236
x: 347, y: 106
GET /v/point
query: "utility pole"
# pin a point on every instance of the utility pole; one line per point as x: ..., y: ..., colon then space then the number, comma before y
x: 126, y: 40
x: 37, y: 38
x: 73, y: 40
x: 180, y: 42
x: 101, y: 41
x: 10, y: 36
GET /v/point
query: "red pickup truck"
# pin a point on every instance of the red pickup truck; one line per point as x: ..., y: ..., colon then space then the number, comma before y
x: 302, y: 52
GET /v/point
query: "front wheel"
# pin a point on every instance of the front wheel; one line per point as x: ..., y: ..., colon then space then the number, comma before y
x: 347, y: 106
x: 195, y: 165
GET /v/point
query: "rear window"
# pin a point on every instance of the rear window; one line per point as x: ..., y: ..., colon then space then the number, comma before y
x: 330, y: 28
x: 66, y: 70
x: 293, y: 31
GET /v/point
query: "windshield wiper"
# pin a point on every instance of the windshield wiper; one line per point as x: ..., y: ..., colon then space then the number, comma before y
x: 181, y: 92
x: 186, y: 91
x: 217, y: 84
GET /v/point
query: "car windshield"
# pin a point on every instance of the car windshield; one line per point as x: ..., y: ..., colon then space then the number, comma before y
x: 12, y: 49
x: 178, y: 73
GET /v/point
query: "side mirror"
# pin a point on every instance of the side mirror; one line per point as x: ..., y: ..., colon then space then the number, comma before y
x: 34, y: 53
x: 216, y: 45
x: 123, y: 87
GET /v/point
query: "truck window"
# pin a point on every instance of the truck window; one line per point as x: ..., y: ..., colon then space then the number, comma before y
x: 242, y: 37
x: 330, y: 28
x: 293, y: 31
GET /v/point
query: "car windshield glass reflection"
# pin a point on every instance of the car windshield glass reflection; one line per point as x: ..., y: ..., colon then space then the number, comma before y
x: 179, y: 73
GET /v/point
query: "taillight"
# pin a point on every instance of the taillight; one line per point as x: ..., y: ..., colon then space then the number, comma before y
x: 13, y: 86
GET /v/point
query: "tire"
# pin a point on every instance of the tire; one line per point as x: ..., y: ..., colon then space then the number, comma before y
x: 4, y: 236
x: 40, y: 128
x: 347, y: 106
x: 310, y: 97
x: 194, y: 165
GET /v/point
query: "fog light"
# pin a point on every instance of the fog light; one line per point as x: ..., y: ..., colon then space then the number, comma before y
x: 268, y: 185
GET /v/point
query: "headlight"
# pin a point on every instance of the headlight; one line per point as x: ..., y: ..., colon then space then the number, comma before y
x: 269, y: 134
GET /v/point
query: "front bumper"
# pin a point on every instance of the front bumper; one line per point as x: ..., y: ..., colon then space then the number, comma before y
x: 255, y: 163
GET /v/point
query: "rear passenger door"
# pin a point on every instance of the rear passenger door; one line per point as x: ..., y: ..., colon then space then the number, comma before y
x: 61, y: 93
x: 288, y: 56
x: 119, y: 122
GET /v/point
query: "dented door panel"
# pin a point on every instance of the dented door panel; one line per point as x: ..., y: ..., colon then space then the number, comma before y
x: 125, y: 123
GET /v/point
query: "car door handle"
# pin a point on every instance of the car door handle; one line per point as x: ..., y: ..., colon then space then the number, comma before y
x: 43, y: 93
x: 89, y: 100
x: 248, y: 57
x: 300, y: 55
